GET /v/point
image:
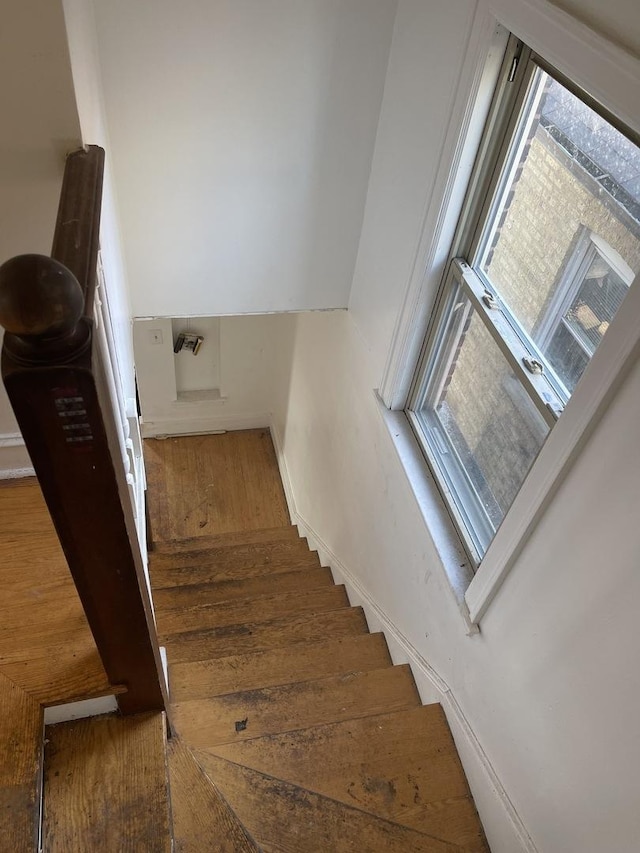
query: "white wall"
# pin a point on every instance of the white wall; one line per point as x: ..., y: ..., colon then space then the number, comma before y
x: 546, y: 696
x: 87, y: 81
x: 242, y: 137
x: 247, y: 370
x: 39, y: 127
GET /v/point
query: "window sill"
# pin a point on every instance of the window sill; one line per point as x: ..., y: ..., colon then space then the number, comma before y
x: 453, y: 557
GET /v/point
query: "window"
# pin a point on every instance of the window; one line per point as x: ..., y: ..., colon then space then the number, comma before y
x: 547, y: 246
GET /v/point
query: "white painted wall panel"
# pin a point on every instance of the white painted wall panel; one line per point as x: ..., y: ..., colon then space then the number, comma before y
x: 242, y: 136
x: 249, y: 374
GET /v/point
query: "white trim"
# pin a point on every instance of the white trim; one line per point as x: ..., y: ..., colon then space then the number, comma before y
x: 11, y: 439
x: 616, y: 354
x: 284, y: 472
x: 194, y: 425
x: 483, y: 57
x: 79, y: 710
x: 603, y: 69
x: 13, y: 455
x: 437, y: 521
x: 16, y: 473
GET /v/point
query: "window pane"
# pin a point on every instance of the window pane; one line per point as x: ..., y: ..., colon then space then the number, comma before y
x: 482, y: 427
x: 582, y: 326
x: 563, y: 241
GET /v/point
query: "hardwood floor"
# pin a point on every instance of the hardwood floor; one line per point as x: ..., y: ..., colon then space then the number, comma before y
x: 46, y: 646
x: 310, y: 739
x: 207, y: 484
x: 106, y: 786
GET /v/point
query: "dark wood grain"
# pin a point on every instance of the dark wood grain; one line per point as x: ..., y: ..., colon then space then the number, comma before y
x: 202, y: 819
x: 106, y: 786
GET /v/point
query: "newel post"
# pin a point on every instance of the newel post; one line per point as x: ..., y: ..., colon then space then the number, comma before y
x: 55, y: 384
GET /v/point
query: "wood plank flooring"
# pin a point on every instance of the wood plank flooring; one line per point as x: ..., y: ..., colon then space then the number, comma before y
x: 280, y: 696
x: 202, y: 819
x: 213, y: 484
x: 106, y: 786
x: 21, y: 724
x: 46, y: 646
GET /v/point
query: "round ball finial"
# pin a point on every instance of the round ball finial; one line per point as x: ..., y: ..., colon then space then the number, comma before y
x: 39, y: 297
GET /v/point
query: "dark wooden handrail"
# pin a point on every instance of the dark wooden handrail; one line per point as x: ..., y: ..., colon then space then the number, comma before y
x: 56, y: 385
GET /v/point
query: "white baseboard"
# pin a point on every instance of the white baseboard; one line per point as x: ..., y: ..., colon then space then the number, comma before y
x: 79, y: 710
x: 203, y: 425
x: 492, y: 801
x: 284, y: 473
x: 14, y: 459
x: 16, y: 473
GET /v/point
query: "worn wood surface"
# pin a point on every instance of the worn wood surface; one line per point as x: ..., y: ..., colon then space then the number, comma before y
x: 258, y: 636
x: 106, y: 786
x: 206, y: 722
x: 230, y: 563
x: 263, y: 608
x: 401, y: 766
x: 270, y: 667
x: 192, y: 595
x: 292, y: 707
x: 202, y: 819
x: 46, y: 646
x: 21, y: 731
x: 230, y: 540
x: 214, y: 484
x: 286, y: 819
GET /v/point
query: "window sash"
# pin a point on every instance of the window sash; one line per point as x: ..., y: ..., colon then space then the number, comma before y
x: 496, y: 158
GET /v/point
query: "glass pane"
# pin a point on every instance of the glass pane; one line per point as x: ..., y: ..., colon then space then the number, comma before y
x: 482, y: 427
x: 577, y: 333
x: 563, y: 241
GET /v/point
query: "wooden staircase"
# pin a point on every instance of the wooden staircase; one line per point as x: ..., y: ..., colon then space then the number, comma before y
x: 294, y: 712
x: 293, y: 731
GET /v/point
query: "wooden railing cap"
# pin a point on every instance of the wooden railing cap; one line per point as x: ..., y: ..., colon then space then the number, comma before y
x: 39, y: 298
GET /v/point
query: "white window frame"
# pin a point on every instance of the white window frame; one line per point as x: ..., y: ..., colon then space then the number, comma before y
x: 612, y: 77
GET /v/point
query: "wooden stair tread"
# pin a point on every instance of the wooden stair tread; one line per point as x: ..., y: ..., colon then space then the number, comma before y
x: 262, y: 608
x: 202, y: 819
x: 238, y: 537
x: 276, y: 633
x: 171, y: 598
x: 401, y: 766
x: 106, y: 786
x: 284, y: 818
x: 271, y: 667
x: 271, y: 710
x: 21, y: 730
x: 229, y: 562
